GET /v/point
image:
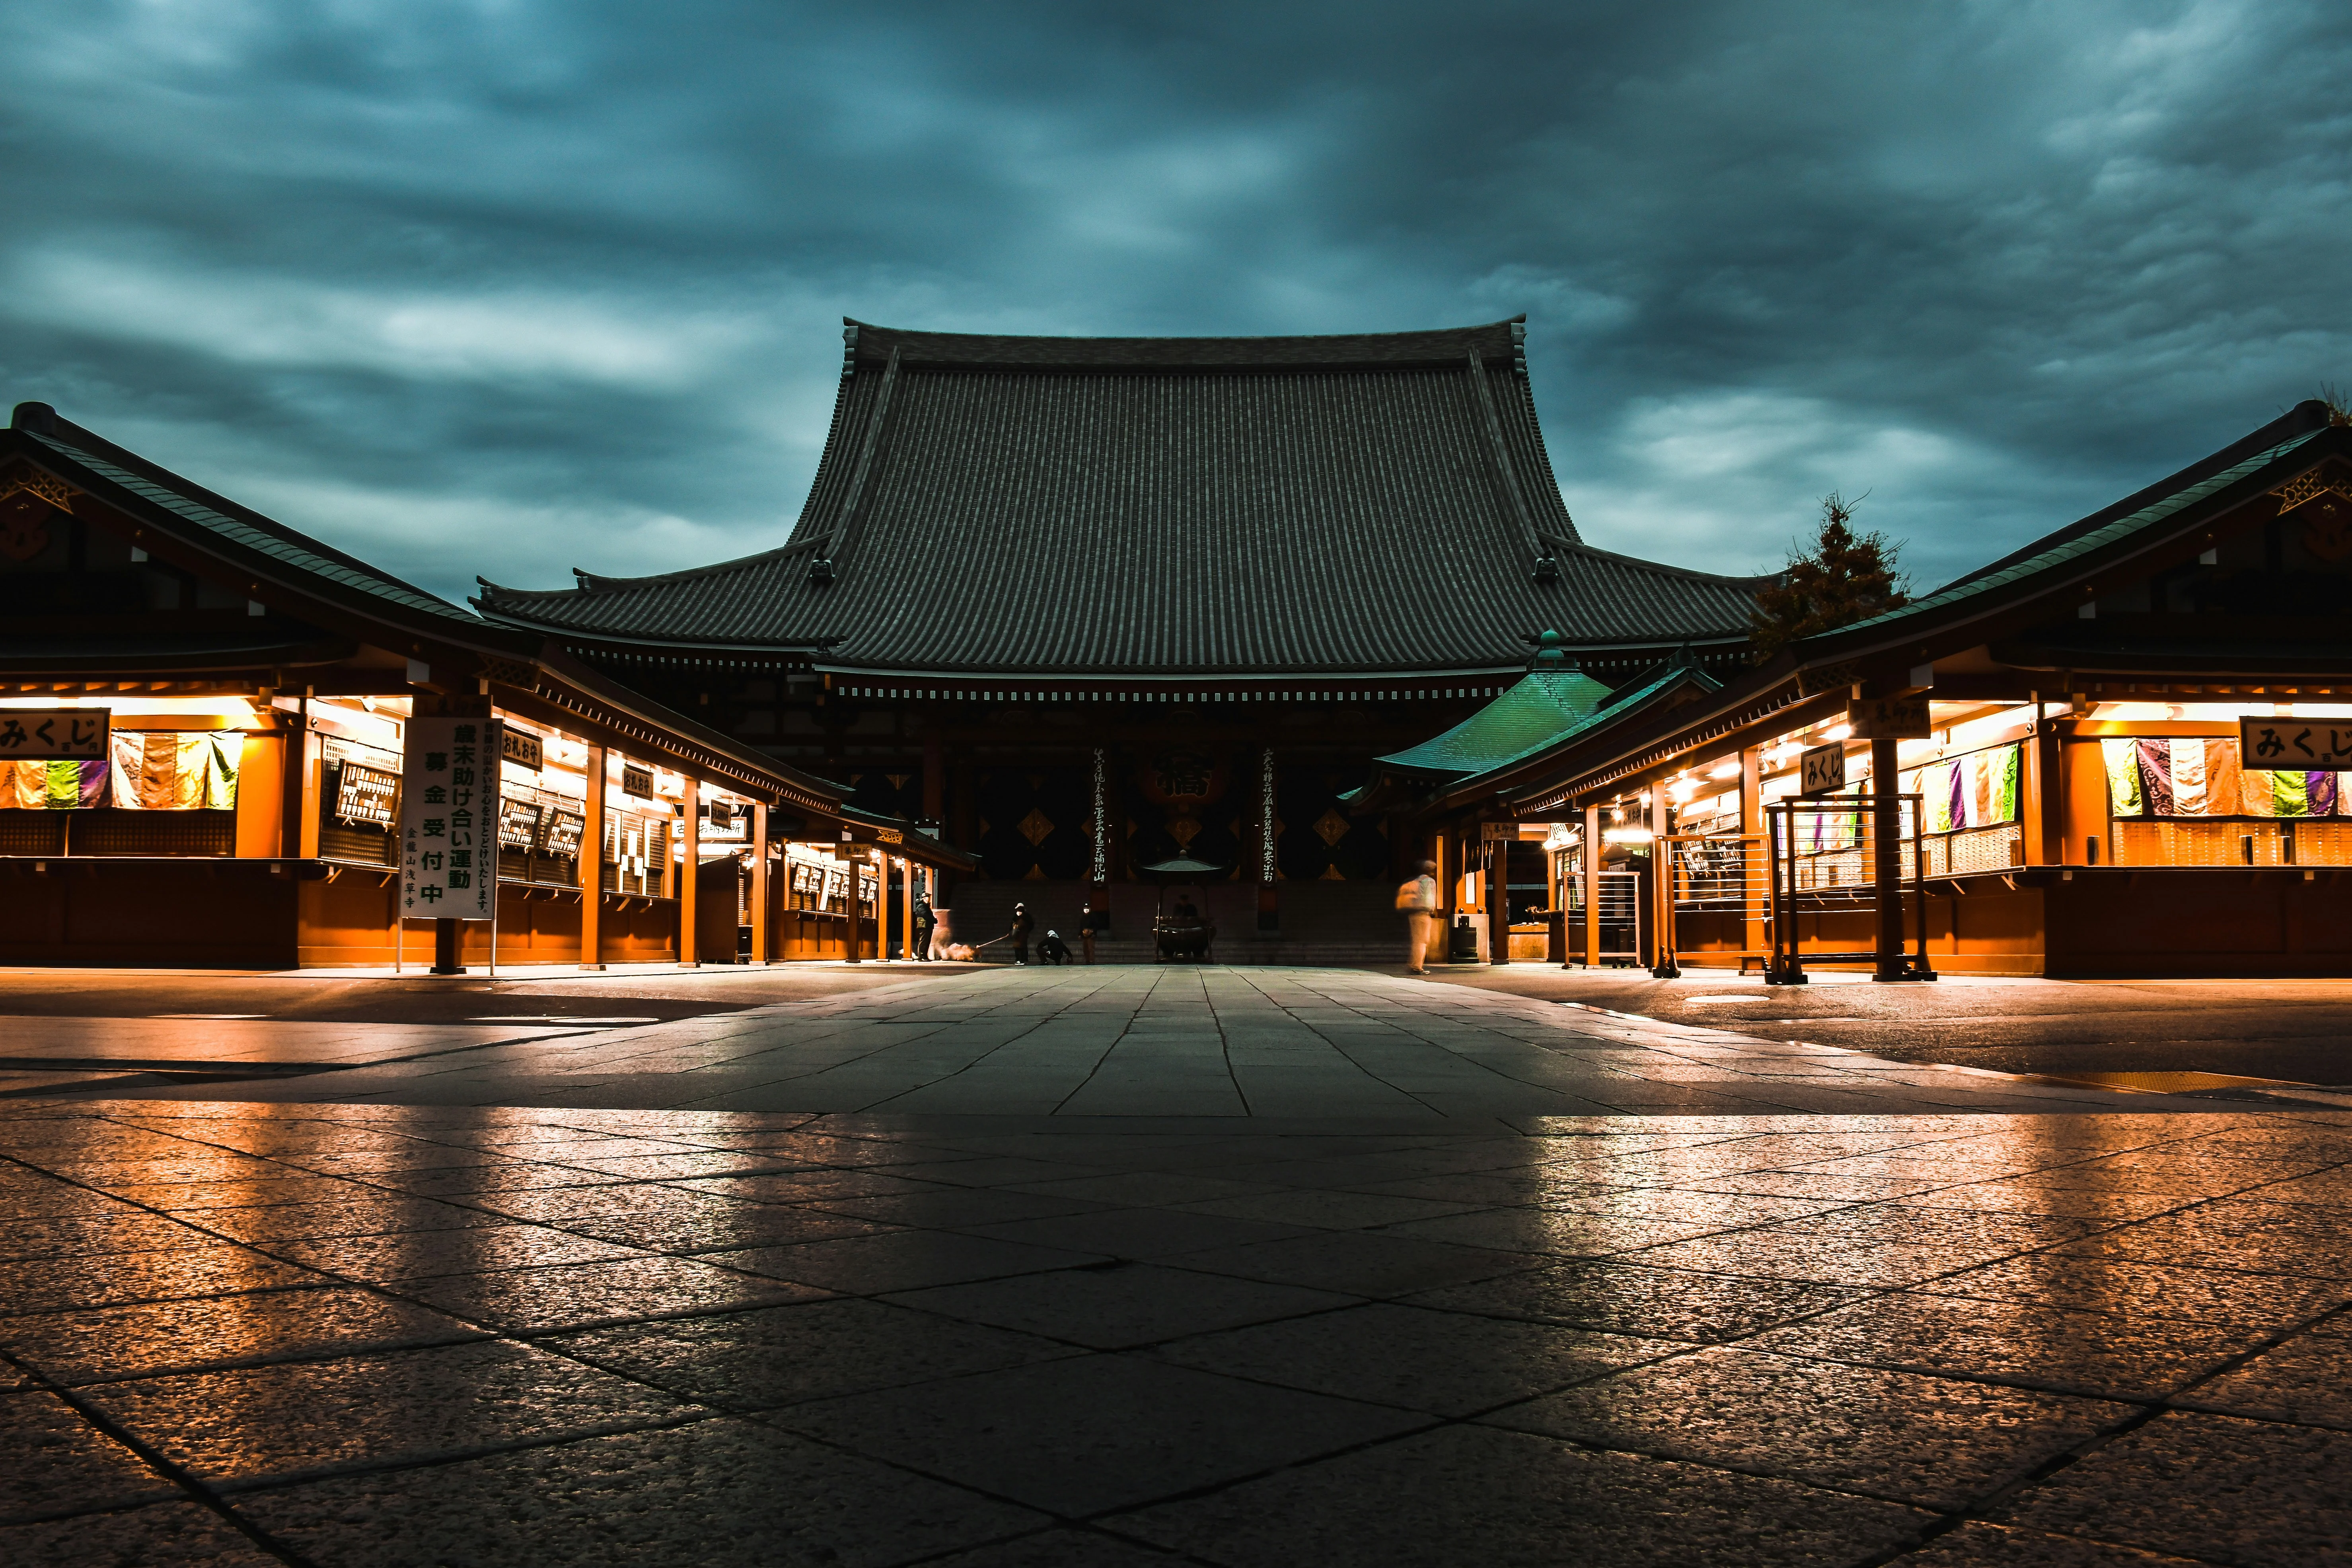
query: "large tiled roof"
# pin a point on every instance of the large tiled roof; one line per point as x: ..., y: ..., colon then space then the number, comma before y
x: 1169, y: 506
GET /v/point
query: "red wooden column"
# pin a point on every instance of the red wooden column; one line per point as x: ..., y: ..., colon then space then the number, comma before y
x: 592, y: 864
x: 762, y: 926
x: 690, y: 879
x: 1662, y: 883
x: 1592, y: 886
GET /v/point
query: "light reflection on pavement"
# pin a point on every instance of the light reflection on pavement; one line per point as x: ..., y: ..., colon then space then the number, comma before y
x: 374, y: 1333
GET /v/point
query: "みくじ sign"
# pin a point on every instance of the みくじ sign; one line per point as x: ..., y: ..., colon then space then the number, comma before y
x: 54, y: 734
x: 1822, y: 771
x: 2294, y: 746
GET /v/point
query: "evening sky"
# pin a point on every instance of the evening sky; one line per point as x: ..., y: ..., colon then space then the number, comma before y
x: 510, y: 287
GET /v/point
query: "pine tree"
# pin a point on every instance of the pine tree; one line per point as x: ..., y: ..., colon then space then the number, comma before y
x: 1844, y: 577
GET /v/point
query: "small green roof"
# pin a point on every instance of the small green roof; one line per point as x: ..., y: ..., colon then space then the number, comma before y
x: 1552, y: 696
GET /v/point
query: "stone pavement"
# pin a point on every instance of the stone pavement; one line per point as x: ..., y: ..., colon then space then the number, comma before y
x: 2294, y: 1030
x: 251, y: 1333
x: 1147, y: 1041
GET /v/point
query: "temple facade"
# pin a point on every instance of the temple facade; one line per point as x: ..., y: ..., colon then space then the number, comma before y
x: 1096, y: 606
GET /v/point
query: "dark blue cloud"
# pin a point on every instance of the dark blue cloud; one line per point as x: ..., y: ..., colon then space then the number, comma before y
x: 510, y: 287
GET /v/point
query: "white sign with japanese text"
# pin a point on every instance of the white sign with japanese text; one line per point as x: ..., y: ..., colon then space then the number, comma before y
x: 448, y: 814
x: 2295, y: 745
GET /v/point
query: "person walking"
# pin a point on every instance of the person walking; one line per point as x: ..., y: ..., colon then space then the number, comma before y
x: 1418, y: 899
x: 924, y: 921
x: 1022, y: 926
x: 1090, y: 920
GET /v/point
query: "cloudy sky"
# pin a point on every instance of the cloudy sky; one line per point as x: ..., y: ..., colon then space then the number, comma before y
x: 515, y: 286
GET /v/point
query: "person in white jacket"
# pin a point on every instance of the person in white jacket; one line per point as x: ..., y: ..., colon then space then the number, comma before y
x: 1418, y: 899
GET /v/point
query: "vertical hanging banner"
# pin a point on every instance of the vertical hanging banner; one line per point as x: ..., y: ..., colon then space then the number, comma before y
x: 449, y: 814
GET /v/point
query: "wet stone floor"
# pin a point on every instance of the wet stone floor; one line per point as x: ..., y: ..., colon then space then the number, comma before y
x: 373, y: 1334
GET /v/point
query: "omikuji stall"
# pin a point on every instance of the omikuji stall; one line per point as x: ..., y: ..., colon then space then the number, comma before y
x: 2107, y: 753
x: 203, y: 749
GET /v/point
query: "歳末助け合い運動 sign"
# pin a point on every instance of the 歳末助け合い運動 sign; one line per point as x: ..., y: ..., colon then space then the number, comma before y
x: 449, y: 813
x: 2294, y: 746
x: 54, y: 734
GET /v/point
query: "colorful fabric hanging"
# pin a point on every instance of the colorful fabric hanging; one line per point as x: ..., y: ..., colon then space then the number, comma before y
x: 162, y: 770
x: 2290, y: 795
x: 49, y: 786
x: 192, y: 758
x: 2188, y: 776
x: 2256, y: 789
x: 2156, y: 776
x: 2224, y: 780
x: 2005, y: 765
x: 122, y: 779
x: 226, y: 750
x: 2122, y: 757
x: 2323, y: 791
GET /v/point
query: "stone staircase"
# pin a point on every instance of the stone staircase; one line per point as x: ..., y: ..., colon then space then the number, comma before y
x: 1327, y: 923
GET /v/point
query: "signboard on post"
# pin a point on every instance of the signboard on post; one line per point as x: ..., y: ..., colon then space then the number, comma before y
x: 1889, y: 719
x: 54, y: 734
x: 448, y: 812
x: 1491, y: 831
x: 2294, y: 746
x: 1822, y: 771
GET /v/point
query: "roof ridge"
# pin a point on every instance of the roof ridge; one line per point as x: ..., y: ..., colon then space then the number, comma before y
x: 1438, y: 346
x: 1578, y: 547
x: 605, y: 584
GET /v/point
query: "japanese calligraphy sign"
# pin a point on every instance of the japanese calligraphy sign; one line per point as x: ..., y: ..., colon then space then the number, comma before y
x: 449, y: 817
x: 1823, y: 770
x: 54, y: 734
x: 2295, y: 745
x: 1889, y: 719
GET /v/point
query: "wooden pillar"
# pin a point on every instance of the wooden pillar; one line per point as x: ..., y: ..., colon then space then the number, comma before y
x: 1661, y: 885
x: 1755, y: 861
x: 853, y: 864
x: 762, y: 934
x: 689, y: 879
x: 2039, y: 802
x: 906, y: 907
x: 1449, y: 893
x: 1498, y: 899
x: 1593, y: 887
x: 302, y: 787
x: 592, y: 864
x: 1886, y: 858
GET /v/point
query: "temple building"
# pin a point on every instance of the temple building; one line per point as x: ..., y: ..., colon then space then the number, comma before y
x: 1099, y: 608
x: 2124, y: 748
x: 208, y: 733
